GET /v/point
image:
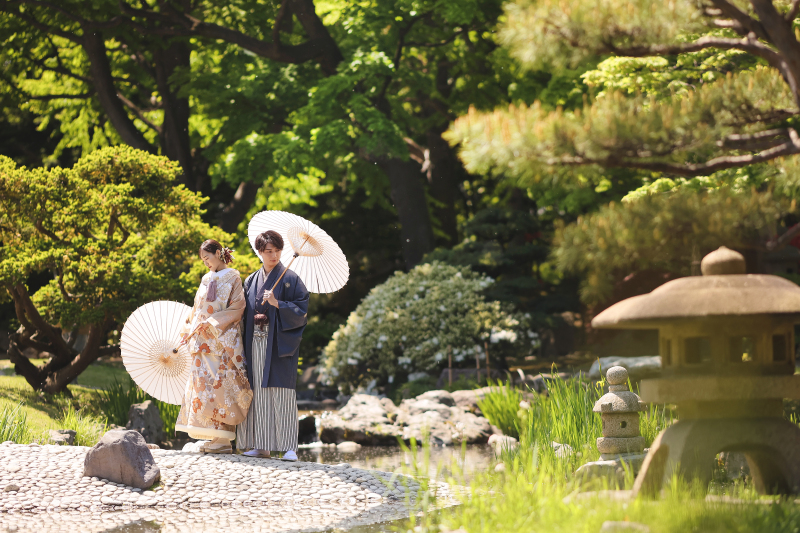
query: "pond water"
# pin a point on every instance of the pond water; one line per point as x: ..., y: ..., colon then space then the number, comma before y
x: 443, y: 462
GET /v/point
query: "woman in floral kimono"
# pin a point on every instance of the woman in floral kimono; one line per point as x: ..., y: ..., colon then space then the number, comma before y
x: 218, y: 394
x: 273, y: 327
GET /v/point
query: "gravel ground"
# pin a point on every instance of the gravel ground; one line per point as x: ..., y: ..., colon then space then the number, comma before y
x: 42, y: 488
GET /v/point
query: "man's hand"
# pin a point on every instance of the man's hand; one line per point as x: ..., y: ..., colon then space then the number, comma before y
x: 270, y: 298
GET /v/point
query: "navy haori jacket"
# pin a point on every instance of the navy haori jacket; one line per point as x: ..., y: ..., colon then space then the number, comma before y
x: 286, y: 325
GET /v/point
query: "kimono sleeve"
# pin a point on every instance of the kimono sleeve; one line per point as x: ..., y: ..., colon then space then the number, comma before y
x: 293, y: 313
x: 222, y: 320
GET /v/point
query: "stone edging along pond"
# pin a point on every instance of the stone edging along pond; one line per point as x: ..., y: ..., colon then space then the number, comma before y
x: 46, y: 481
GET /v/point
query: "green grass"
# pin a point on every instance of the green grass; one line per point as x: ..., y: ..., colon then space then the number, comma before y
x: 539, y: 492
x: 88, y: 412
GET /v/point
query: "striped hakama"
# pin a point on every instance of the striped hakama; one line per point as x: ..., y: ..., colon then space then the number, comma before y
x: 271, y: 422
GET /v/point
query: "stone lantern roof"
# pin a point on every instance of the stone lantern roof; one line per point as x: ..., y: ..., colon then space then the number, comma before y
x: 723, y: 290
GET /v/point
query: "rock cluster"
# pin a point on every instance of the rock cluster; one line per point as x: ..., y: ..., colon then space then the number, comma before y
x: 373, y: 421
x: 44, y: 489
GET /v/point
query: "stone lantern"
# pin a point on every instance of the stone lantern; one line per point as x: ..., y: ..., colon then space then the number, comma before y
x: 619, y: 412
x: 727, y: 350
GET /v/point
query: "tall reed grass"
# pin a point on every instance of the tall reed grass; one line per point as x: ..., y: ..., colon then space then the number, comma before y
x: 14, y: 424
x: 118, y: 398
x: 537, y: 491
x: 501, y: 407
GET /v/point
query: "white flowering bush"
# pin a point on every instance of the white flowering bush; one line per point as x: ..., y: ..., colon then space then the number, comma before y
x: 406, y: 327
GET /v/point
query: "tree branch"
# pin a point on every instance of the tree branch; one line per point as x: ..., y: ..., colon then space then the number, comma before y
x: 752, y: 46
x: 792, y: 14
x: 791, y: 147
x: 440, y: 43
x: 48, y: 97
x: 57, y: 381
x: 785, y: 239
x: 781, y: 35
x: 276, y: 29
x: 139, y: 113
x: 20, y: 293
x: 748, y: 23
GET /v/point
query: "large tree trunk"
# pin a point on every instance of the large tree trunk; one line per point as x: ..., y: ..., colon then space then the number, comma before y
x: 237, y: 208
x: 408, y: 196
x: 95, y: 47
x: 445, y: 174
x: 175, y: 142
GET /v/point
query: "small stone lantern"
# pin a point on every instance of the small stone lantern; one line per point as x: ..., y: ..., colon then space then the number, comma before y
x: 727, y: 350
x: 619, y: 412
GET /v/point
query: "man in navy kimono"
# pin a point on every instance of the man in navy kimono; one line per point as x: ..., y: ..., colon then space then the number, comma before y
x: 274, y: 321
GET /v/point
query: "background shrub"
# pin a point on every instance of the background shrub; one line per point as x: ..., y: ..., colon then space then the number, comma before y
x: 409, y: 323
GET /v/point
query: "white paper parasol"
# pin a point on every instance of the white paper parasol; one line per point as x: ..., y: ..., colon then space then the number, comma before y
x: 148, y: 342
x: 314, y: 256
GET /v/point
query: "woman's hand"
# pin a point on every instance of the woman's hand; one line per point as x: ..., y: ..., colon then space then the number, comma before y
x: 270, y: 298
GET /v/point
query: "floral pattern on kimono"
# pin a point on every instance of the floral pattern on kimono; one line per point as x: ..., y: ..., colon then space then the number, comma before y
x: 218, y: 394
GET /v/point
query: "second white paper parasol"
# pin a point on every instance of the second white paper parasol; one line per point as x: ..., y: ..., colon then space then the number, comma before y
x: 313, y: 254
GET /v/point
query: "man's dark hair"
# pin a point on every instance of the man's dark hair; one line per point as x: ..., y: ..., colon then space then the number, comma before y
x: 269, y: 237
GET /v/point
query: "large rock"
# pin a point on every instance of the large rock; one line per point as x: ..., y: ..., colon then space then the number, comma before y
x: 437, y: 414
x: 122, y: 456
x: 145, y: 418
x: 307, y: 429
x: 648, y: 366
x: 363, y: 420
x: 335, y: 430
x: 439, y: 396
x: 612, y: 469
x: 365, y: 407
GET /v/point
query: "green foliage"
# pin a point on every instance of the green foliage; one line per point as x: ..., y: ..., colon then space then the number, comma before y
x: 408, y: 324
x: 618, y: 130
x: 506, y: 245
x: 663, y: 77
x: 663, y: 231
x: 549, y: 33
x: 109, y: 234
x: 13, y: 424
x: 501, y: 406
x: 112, y: 230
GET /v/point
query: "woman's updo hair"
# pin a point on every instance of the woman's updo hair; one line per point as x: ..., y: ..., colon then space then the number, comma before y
x: 269, y: 237
x: 211, y: 246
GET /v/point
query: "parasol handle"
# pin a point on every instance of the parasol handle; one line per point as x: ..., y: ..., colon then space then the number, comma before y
x: 264, y: 300
x: 186, y: 340
x: 295, y: 256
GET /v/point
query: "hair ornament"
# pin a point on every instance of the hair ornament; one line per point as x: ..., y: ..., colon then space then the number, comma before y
x: 226, y: 255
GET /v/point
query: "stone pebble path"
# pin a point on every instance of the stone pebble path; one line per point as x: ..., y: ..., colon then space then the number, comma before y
x: 42, y: 488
